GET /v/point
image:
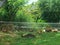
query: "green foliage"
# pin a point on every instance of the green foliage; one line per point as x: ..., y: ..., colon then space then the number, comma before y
x: 50, y: 10
x: 11, y: 7
x: 2, y: 13
x: 41, y: 21
x: 22, y: 17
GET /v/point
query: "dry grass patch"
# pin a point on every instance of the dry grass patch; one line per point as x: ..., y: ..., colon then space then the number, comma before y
x: 11, y: 34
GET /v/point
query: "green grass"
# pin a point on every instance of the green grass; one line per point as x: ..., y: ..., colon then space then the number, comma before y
x: 40, y: 39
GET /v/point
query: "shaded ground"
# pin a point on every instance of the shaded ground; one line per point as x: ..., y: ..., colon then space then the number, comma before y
x: 14, y: 38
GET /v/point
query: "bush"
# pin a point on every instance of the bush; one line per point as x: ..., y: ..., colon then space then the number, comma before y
x: 22, y: 17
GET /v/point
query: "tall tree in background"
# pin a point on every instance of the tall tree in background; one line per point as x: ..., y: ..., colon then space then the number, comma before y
x: 50, y: 10
x: 11, y: 7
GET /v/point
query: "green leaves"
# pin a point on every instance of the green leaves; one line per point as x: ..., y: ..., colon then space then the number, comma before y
x: 50, y: 10
x: 22, y: 17
x: 10, y: 9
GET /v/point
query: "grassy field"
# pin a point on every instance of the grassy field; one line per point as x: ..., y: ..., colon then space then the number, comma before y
x: 14, y: 38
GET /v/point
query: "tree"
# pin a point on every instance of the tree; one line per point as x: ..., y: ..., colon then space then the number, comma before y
x: 50, y: 10
x: 11, y: 7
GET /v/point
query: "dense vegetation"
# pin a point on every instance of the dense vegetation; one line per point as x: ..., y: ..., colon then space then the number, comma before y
x: 15, y: 14
x: 13, y: 10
